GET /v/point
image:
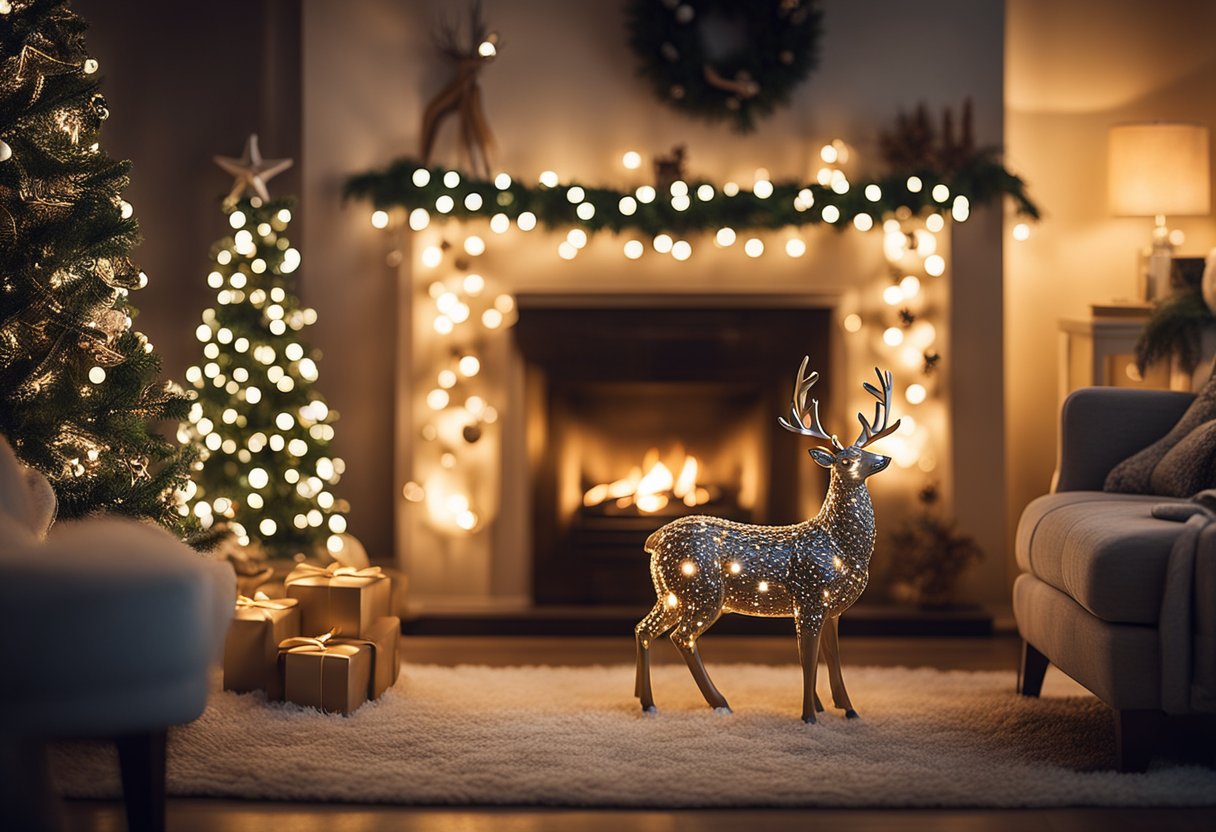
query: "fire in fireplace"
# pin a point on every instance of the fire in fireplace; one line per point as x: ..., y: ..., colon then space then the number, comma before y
x: 640, y: 410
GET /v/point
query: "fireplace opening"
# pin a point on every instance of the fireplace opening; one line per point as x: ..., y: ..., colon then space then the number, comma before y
x: 639, y: 411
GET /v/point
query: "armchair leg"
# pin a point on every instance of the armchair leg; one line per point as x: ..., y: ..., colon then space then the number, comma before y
x: 142, y: 760
x: 1031, y: 670
x: 1135, y: 737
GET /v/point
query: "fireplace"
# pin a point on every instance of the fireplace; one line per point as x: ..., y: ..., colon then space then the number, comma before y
x: 642, y: 410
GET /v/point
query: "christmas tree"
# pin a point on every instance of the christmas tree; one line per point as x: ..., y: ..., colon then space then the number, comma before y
x: 79, y: 395
x: 261, y: 428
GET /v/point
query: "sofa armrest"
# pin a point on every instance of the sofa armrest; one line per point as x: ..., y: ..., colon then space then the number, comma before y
x: 1102, y: 426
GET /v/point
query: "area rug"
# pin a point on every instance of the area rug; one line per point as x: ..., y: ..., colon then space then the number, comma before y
x: 574, y: 736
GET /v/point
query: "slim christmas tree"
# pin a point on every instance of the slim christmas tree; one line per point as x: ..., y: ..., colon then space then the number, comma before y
x: 262, y: 429
x: 78, y: 389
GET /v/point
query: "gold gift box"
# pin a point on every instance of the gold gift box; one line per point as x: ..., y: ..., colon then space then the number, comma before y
x: 339, y: 597
x: 251, y: 649
x: 330, y: 674
x: 384, y: 639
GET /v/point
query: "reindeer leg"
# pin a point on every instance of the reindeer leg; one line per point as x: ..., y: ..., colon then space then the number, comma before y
x: 830, y: 645
x: 656, y: 622
x: 684, y: 637
x: 808, y: 653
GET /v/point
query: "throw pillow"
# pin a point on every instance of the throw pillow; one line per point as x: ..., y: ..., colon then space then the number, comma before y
x: 1189, y: 467
x: 1133, y: 475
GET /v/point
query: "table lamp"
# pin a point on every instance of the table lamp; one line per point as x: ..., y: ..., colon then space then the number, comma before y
x: 1159, y: 170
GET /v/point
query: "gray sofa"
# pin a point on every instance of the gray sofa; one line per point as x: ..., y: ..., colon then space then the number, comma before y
x: 1120, y: 600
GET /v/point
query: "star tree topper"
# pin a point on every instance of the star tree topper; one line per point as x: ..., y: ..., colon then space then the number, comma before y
x: 251, y: 170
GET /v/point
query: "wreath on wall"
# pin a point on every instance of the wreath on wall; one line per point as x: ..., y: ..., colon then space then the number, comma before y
x: 732, y: 60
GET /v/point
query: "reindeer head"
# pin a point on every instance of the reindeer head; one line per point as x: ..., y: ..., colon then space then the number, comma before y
x: 852, y: 462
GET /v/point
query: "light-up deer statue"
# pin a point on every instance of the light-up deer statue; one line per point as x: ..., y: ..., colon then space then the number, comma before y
x: 813, y: 571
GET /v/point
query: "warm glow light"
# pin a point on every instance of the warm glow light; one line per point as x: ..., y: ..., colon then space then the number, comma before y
x: 863, y: 222
x: 474, y: 245
x: 915, y: 394
x: 451, y: 179
x: 914, y: 184
x: 725, y: 237
x: 892, y: 295
x: 432, y: 256
x: 632, y: 160
x: 634, y: 249
x: 830, y: 213
x: 935, y: 265
x: 681, y: 250
x: 437, y: 399
x: 645, y: 194
x: 663, y: 243
x: 935, y: 222
x: 873, y: 193
x: 474, y: 284
x: 940, y: 193
x: 549, y: 179
x: 491, y: 319
x: 893, y: 336
x: 421, y: 177
x: 473, y: 201
x: 851, y: 323
x: 795, y: 247
x: 961, y: 209
x: 566, y: 251
x: 500, y: 223
x: 1021, y: 231
x: 910, y: 286
x: 469, y: 366
x: 628, y: 206
x: 502, y: 181
x: 575, y: 195
x: 754, y: 247
x: 444, y: 204
x: 526, y: 221
x: 763, y: 188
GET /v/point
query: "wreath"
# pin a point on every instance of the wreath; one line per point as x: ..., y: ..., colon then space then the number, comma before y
x: 733, y: 60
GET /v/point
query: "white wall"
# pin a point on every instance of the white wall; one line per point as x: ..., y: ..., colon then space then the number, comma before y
x: 1073, y: 70
x: 562, y: 94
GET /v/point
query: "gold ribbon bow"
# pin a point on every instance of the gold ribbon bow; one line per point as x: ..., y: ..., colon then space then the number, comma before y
x: 305, y: 571
x: 261, y: 600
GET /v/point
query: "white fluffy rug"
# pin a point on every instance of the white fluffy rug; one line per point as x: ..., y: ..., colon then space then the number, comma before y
x: 571, y: 736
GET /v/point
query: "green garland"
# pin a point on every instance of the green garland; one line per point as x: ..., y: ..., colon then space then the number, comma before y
x: 401, y: 185
x: 778, y: 48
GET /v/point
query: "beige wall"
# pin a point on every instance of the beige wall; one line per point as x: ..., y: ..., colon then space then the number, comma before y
x: 1072, y: 70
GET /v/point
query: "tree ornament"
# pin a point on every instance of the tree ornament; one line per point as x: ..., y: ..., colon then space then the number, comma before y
x: 6, y: 152
x: 812, y: 572
x: 723, y: 60
x: 462, y: 95
x: 471, y: 433
x: 252, y: 172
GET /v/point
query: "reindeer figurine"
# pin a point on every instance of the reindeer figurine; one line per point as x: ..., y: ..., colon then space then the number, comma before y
x: 812, y: 571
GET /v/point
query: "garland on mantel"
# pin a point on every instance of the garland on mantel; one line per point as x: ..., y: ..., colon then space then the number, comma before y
x: 693, y: 205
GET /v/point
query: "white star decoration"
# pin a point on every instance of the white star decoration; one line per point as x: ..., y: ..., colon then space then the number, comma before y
x: 251, y: 170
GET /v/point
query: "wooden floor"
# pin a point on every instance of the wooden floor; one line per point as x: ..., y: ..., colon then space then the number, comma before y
x: 996, y: 653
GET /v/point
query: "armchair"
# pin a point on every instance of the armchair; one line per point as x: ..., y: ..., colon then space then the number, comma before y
x: 115, y: 626
x: 1121, y: 601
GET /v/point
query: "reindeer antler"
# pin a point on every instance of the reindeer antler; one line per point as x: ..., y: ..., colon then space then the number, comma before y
x: 882, y: 412
x: 799, y: 412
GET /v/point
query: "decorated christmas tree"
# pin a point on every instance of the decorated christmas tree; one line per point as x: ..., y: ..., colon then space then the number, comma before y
x: 79, y: 396
x: 261, y: 428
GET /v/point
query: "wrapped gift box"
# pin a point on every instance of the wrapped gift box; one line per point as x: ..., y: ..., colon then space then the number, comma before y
x: 383, y: 638
x: 251, y: 649
x: 339, y: 597
x: 331, y: 674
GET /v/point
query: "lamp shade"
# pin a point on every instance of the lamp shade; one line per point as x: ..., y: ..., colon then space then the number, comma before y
x: 1159, y: 169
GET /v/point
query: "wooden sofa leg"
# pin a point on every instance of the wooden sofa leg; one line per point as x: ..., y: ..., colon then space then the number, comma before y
x: 1031, y: 670
x: 1135, y: 737
x: 142, y: 760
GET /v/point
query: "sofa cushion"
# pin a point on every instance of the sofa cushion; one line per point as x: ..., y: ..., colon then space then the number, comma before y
x: 1133, y: 475
x: 1105, y: 551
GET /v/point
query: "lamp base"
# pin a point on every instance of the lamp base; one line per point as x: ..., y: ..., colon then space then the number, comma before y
x: 1157, y: 265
